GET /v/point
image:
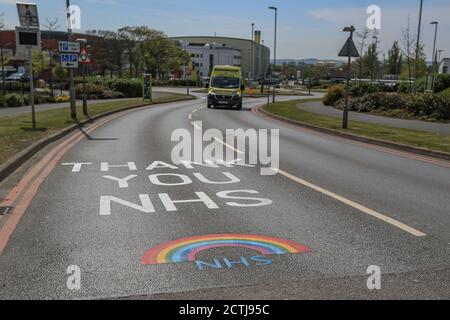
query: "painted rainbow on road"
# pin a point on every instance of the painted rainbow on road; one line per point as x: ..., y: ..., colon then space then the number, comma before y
x: 186, y: 249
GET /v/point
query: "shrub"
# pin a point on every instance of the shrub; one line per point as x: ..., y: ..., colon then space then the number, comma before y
x: 378, y: 102
x: 13, y: 100
x: 110, y: 94
x: 91, y: 89
x: 446, y: 92
x: 17, y: 86
x: 128, y: 88
x: 436, y: 106
x: 419, y: 86
x: 42, y: 99
x: 62, y: 99
x: 442, y: 82
x: 334, y: 94
x: 429, y: 106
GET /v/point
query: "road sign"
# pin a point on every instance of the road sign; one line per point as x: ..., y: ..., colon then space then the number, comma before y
x: 69, y: 47
x: 28, y: 15
x: 349, y: 49
x: 28, y: 38
x: 84, y: 57
x: 69, y: 60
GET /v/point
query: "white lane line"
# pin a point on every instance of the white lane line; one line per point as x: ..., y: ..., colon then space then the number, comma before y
x: 355, y: 205
x: 228, y: 146
x: 346, y: 201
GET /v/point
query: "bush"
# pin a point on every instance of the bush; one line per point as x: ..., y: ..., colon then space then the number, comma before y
x: 182, y: 83
x: 442, y: 82
x: 92, y: 89
x: 446, y: 92
x: 110, y: 94
x: 42, y: 99
x: 13, y: 100
x: 334, y: 94
x: 419, y: 86
x: 96, y: 87
x: 128, y: 88
x: 17, y: 86
x: 428, y: 105
x: 62, y: 99
x: 378, y: 102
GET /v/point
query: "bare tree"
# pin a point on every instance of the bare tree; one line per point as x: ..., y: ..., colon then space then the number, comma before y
x: 2, y: 21
x: 408, y: 42
x: 2, y: 58
x: 52, y: 25
x: 362, y: 38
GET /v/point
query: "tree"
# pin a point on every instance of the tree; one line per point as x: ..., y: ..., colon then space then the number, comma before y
x: 2, y: 56
x: 110, y: 55
x: 60, y: 74
x: 408, y: 42
x: 395, y: 59
x: 52, y: 25
x: 361, y: 40
x: 41, y: 62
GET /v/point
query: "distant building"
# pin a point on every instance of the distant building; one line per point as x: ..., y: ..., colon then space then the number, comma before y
x: 255, y: 65
x: 49, y: 42
x: 444, y: 66
x: 205, y: 56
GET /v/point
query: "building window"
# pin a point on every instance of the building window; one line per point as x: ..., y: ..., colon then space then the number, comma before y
x: 445, y: 69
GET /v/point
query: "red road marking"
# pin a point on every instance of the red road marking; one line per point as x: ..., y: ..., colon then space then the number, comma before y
x: 49, y: 162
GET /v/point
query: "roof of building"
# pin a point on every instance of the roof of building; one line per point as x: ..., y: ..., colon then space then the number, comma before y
x: 216, y: 37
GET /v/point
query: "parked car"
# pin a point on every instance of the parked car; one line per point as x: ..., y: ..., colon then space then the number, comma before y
x: 16, y: 77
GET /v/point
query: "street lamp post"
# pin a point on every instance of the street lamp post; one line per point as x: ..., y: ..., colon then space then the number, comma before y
x: 3, y: 68
x: 418, y: 45
x: 73, y: 103
x: 275, y: 47
x: 436, y: 24
x: 252, y: 69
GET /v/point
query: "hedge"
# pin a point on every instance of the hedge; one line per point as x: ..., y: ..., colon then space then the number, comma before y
x: 334, y: 94
x: 429, y: 105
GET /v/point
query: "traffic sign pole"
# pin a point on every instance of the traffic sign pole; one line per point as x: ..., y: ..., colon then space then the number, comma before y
x: 73, y: 103
x: 349, y: 50
x: 85, y: 111
x: 33, y: 109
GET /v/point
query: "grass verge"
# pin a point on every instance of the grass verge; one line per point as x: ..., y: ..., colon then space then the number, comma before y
x: 432, y: 141
x: 16, y: 133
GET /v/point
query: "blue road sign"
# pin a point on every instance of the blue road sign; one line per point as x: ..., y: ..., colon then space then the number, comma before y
x: 69, y: 60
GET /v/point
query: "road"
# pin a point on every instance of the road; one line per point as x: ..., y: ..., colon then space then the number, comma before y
x: 344, y: 205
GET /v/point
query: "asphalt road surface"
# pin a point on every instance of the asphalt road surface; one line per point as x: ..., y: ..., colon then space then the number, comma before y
x: 346, y: 206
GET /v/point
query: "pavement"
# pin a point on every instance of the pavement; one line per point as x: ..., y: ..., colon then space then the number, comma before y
x: 18, y: 111
x: 347, y: 207
x: 434, y: 127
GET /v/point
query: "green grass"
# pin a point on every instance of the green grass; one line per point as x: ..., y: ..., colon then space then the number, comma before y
x: 16, y: 133
x: 432, y: 141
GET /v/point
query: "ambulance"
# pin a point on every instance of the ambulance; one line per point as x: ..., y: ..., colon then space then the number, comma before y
x: 226, y: 87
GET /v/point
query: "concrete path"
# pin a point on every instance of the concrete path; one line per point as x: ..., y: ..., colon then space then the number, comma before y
x: 435, y: 127
x: 11, y: 112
